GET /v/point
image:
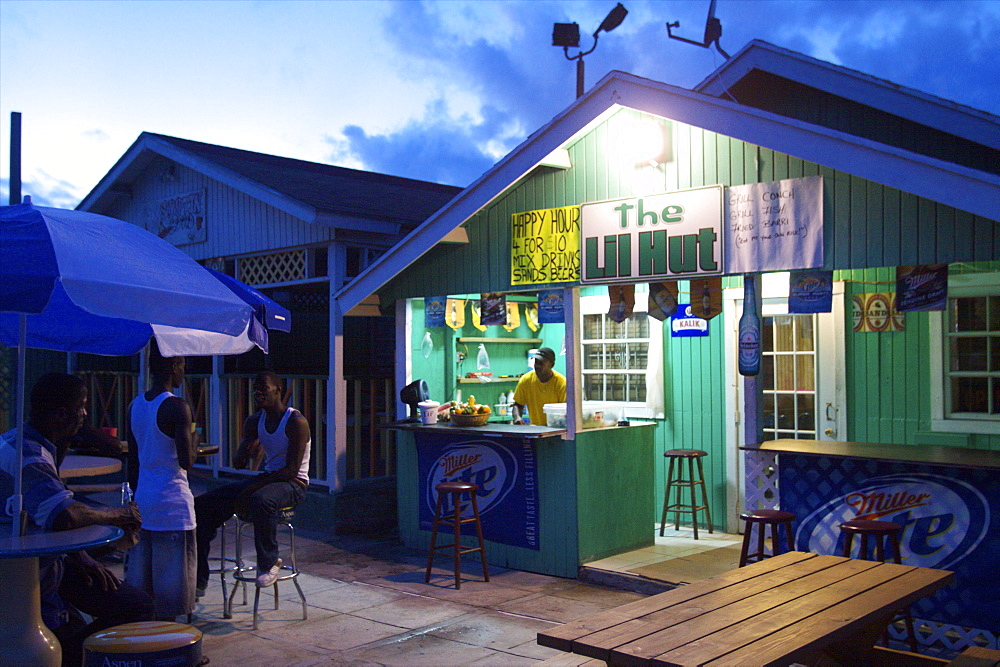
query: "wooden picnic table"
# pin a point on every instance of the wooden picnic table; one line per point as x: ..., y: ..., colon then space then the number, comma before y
x: 795, y: 607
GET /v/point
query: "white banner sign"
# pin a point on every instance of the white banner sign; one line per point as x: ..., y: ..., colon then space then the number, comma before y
x: 774, y: 226
x: 652, y: 238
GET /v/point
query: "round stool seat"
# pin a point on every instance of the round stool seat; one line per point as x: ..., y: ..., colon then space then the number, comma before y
x: 767, y: 516
x: 862, y: 526
x: 146, y: 642
x: 684, y: 453
x: 456, y: 487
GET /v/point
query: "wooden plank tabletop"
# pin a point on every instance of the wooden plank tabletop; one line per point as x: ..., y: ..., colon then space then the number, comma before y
x: 784, y: 608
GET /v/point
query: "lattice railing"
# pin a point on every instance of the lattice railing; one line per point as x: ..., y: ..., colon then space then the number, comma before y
x: 277, y: 267
x: 761, y: 477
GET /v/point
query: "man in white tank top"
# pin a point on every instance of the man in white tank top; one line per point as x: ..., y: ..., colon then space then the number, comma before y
x: 162, y: 448
x: 280, y: 435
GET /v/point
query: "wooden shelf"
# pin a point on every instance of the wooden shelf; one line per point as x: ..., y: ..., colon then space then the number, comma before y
x: 491, y: 381
x: 474, y: 339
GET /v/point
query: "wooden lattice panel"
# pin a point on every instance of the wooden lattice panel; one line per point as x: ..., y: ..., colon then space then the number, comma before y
x: 279, y: 267
x: 761, y: 475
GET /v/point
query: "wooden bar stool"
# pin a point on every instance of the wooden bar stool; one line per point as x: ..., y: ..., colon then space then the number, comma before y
x: 691, y: 456
x: 762, y: 519
x: 455, y: 521
x: 878, y: 531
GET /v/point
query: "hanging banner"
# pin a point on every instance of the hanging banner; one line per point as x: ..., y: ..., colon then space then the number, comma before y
x: 513, y: 316
x: 774, y: 226
x: 505, y: 471
x: 706, y: 297
x: 875, y: 312
x: 550, y: 306
x: 662, y: 301
x: 647, y: 239
x: 923, y: 287
x: 545, y: 246
x: 810, y: 291
x: 683, y: 324
x: 493, y: 309
x: 434, y: 311
x: 454, y: 313
x: 622, y: 301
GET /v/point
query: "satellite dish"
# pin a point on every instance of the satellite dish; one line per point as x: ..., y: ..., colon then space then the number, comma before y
x: 713, y: 31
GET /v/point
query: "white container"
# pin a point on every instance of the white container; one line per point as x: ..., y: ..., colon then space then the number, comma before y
x: 596, y: 414
x: 429, y: 411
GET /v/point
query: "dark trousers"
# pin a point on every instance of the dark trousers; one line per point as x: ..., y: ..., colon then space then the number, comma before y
x: 127, y: 604
x: 214, y: 508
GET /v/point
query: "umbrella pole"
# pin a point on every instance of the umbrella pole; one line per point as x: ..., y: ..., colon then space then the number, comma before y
x: 15, y: 503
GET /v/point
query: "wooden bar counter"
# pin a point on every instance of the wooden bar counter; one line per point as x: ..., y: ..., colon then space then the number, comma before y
x: 548, y: 504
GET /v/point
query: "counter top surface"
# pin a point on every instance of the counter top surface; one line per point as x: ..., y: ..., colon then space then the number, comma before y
x: 507, y: 430
x: 930, y: 454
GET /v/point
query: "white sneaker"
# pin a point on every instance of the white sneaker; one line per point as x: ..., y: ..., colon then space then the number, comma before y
x: 268, y: 578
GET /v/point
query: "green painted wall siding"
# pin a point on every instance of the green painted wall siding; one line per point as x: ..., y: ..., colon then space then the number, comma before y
x: 888, y: 374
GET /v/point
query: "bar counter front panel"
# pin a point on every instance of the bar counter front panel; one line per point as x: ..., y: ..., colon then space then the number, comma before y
x: 547, y: 504
x: 946, y: 499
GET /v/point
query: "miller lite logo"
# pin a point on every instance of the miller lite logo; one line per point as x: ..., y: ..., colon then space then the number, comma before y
x: 492, y: 468
x: 943, y: 519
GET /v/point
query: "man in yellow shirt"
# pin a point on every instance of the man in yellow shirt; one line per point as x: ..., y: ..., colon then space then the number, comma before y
x: 538, y: 387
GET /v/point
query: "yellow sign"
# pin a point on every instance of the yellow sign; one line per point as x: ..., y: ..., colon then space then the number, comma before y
x: 545, y: 246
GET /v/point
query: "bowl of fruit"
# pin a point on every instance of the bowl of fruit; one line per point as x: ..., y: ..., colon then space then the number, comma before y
x: 469, y: 413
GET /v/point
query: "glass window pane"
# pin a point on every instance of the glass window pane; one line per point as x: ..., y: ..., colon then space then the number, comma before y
x: 784, y: 373
x: 767, y: 371
x: 995, y: 313
x: 592, y: 326
x: 995, y: 354
x: 969, y: 313
x: 786, y: 411
x: 615, y: 387
x: 637, y: 388
x: 783, y: 341
x: 995, y: 385
x: 969, y: 395
x: 593, y: 356
x: 807, y: 412
x: 638, y: 353
x: 767, y: 335
x: 785, y: 434
x: 638, y: 326
x: 614, y: 329
x: 768, y: 411
x: 968, y: 354
x: 805, y: 375
x: 614, y: 355
x: 804, y: 333
x: 593, y: 385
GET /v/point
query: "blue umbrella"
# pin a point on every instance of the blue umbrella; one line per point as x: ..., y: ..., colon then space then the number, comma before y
x: 268, y: 313
x: 82, y: 282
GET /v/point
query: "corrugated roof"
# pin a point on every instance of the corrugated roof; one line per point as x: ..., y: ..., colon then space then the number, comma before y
x: 350, y: 192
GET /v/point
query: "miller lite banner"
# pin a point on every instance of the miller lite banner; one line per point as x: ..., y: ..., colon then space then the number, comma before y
x: 507, y: 476
x: 950, y: 518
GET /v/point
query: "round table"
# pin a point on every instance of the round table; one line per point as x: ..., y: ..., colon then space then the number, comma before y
x: 24, y: 639
x: 78, y: 465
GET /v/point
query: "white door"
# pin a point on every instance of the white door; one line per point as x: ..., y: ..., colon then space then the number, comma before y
x: 801, y: 375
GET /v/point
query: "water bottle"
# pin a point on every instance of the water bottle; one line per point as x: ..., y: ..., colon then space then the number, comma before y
x: 749, y: 330
x: 126, y: 494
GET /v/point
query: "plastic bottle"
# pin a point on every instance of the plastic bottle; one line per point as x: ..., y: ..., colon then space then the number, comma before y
x: 749, y: 330
x: 427, y: 345
x: 482, y: 359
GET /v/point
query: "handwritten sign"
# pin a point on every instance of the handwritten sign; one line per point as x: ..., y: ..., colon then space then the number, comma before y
x: 775, y: 226
x: 545, y: 246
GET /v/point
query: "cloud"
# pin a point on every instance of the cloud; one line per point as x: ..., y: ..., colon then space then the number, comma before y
x: 44, y: 190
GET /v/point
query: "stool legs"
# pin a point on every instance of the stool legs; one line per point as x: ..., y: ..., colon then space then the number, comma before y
x: 666, y: 498
x: 704, y: 499
x: 456, y: 522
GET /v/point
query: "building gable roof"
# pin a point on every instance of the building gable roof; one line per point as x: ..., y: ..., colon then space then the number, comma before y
x: 949, y: 184
x: 317, y: 193
x: 913, y: 105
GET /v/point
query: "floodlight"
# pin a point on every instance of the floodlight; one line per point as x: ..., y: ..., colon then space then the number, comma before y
x: 613, y: 19
x: 566, y: 34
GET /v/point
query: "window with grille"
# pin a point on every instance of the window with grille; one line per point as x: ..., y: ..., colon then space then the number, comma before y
x: 967, y: 375
x: 614, y: 355
x: 788, y: 376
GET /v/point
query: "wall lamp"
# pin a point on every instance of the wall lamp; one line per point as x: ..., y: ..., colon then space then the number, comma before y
x: 567, y: 35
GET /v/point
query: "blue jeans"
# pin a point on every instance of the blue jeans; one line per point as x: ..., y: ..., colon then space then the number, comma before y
x: 214, y: 508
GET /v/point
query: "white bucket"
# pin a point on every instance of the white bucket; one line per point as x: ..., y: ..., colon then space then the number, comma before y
x: 429, y: 411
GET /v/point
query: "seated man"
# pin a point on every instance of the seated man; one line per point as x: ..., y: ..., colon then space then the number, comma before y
x: 282, y: 434
x: 74, y: 582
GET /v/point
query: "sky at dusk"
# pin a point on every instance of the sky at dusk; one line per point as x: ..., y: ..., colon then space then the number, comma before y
x: 435, y: 90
